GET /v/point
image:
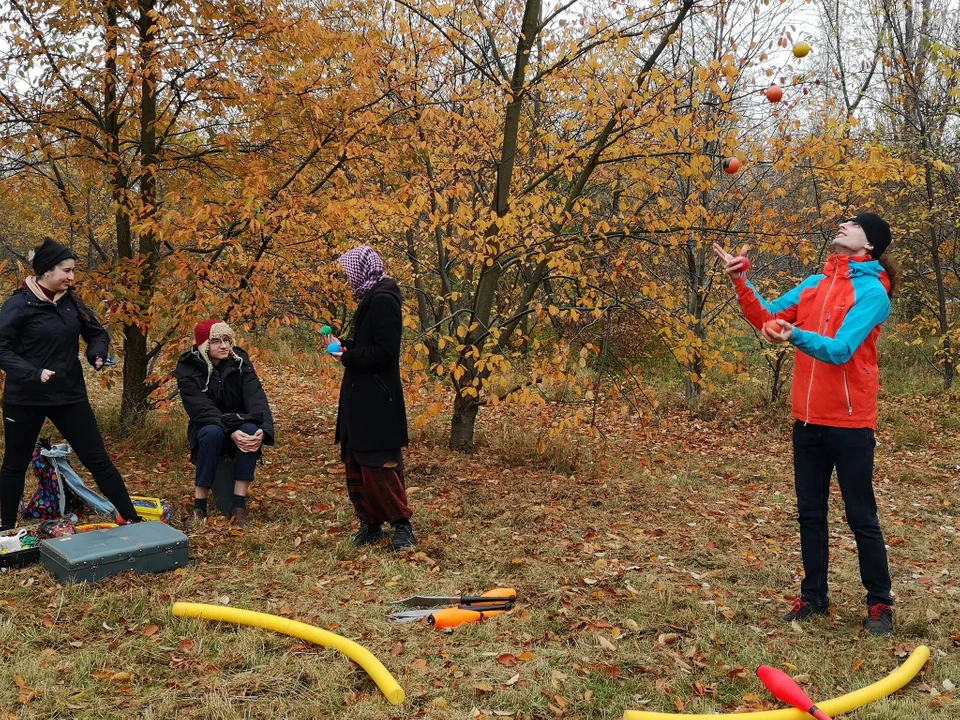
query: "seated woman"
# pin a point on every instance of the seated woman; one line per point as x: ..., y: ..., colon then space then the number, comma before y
x: 229, y: 414
x: 40, y: 329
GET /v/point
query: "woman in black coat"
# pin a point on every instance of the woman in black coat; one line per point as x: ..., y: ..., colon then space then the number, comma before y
x: 371, y: 416
x: 40, y: 329
x: 229, y: 414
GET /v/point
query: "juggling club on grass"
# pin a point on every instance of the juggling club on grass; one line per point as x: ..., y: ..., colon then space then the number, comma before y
x: 785, y: 688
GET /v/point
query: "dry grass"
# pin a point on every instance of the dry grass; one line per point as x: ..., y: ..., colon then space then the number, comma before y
x: 651, y: 573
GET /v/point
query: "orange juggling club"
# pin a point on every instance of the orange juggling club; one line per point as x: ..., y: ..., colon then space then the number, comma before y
x: 785, y: 688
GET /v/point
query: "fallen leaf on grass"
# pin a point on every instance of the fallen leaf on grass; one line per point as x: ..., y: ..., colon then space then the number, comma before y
x: 739, y: 673
x: 151, y: 630
x: 187, y: 645
x: 397, y: 649
x: 525, y: 656
x: 857, y: 665
x: 507, y: 660
x: 680, y: 704
x: 513, y: 680
x: 604, y: 643
x: 481, y: 688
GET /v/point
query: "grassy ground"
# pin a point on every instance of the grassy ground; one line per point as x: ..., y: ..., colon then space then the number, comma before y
x: 651, y: 569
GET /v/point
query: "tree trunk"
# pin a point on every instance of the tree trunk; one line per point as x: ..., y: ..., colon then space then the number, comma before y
x: 777, y: 380
x: 134, y: 401
x: 943, y: 317
x: 692, y: 390
x: 696, y: 279
x: 136, y: 391
x: 463, y: 424
x: 461, y: 435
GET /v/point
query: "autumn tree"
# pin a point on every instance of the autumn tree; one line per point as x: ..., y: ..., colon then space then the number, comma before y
x: 922, y: 83
x: 210, y: 133
x: 517, y: 108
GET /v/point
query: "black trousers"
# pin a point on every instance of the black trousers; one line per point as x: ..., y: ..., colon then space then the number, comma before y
x: 817, y: 450
x: 78, y: 425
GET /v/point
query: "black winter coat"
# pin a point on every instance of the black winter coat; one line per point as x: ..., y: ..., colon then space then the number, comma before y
x: 216, y: 397
x: 371, y: 409
x: 38, y: 334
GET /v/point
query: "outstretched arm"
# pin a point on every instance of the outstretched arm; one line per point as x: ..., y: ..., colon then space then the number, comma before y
x: 755, y: 308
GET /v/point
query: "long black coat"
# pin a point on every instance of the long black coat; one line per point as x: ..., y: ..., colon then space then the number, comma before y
x: 38, y: 334
x: 212, y: 397
x: 371, y: 409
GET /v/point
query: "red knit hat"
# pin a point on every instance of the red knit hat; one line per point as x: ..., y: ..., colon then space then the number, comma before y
x: 201, y: 332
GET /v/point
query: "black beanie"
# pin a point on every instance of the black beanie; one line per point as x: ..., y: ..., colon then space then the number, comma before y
x: 49, y: 255
x: 877, y: 231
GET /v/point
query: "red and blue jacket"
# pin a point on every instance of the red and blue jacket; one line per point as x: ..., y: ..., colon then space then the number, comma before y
x: 836, y: 317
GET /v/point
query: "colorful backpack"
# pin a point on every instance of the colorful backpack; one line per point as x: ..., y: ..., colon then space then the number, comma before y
x: 51, y: 498
x: 61, y: 492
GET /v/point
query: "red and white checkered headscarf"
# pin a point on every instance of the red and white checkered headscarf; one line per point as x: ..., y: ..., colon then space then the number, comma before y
x: 364, y: 269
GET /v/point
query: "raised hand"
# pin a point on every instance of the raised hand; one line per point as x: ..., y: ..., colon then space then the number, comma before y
x: 733, y: 264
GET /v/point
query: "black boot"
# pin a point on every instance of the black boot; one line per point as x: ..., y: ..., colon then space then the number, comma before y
x: 403, y: 537
x: 879, y: 619
x: 803, y: 610
x: 368, y: 535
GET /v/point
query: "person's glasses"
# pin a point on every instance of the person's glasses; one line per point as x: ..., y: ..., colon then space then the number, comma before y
x: 221, y: 341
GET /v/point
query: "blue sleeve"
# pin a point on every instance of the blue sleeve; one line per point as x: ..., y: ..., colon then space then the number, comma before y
x: 790, y: 299
x: 867, y: 312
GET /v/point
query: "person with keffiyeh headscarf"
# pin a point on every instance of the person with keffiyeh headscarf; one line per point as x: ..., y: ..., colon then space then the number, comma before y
x: 371, y: 415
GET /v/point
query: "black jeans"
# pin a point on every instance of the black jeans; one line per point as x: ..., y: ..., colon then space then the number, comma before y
x: 817, y: 449
x: 212, y: 440
x: 78, y: 425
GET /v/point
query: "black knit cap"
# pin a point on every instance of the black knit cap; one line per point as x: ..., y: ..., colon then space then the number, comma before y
x: 49, y: 254
x: 877, y: 231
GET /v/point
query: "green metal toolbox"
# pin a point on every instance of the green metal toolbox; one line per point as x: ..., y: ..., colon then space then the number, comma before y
x: 145, y: 547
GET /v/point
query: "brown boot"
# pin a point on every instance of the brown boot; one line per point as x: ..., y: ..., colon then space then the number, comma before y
x: 238, y: 516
